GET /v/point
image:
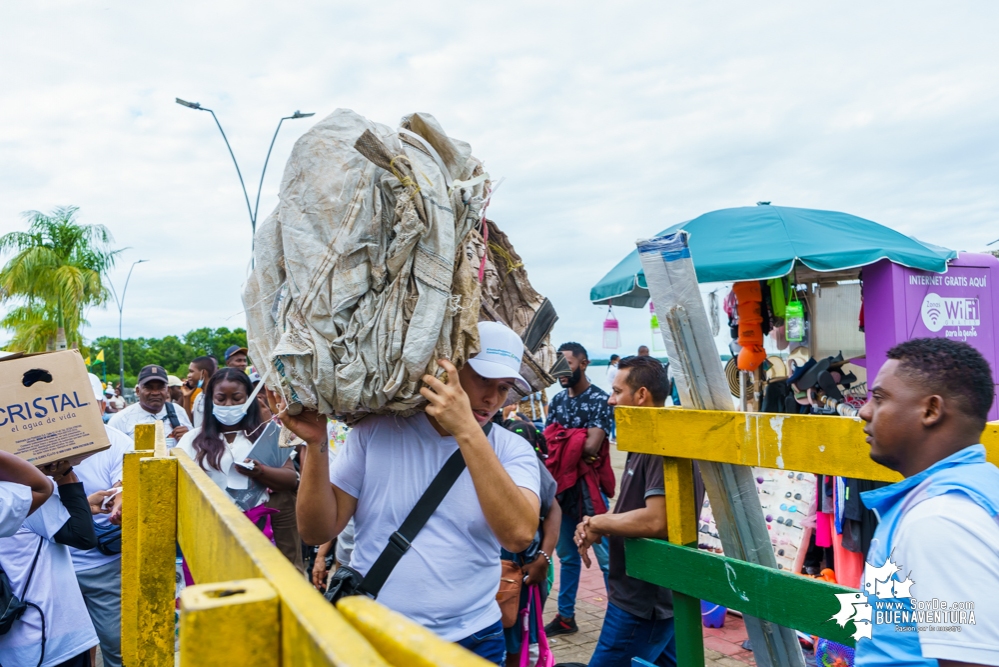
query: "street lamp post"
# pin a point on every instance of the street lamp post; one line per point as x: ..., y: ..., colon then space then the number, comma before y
x: 252, y: 211
x: 121, y: 305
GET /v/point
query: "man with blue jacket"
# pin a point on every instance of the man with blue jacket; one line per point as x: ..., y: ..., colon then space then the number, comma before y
x: 931, y: 582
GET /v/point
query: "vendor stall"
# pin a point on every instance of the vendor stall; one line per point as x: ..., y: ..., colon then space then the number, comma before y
x: 862, y: 288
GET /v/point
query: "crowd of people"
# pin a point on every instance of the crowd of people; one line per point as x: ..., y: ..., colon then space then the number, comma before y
x: 454, y: 516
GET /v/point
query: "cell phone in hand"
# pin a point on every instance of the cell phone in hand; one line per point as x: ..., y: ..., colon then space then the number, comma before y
x: 249, y: 465
x: 107, y: 501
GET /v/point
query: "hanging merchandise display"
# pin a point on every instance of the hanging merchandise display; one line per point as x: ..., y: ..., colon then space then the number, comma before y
x: 794, y: 327
x: 733, y: 315
x: 748, y: 296
x: 657, y: 336
x: 713, y: 312
x: 612, y: 331
x: 778, y: 298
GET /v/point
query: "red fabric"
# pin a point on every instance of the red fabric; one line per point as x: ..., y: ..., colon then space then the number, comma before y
x: 849, y: 564
x: 567, y: 465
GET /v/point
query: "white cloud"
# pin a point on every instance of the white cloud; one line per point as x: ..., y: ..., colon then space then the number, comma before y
x: 610, y: 122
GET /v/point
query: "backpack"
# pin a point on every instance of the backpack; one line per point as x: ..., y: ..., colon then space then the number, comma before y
x: 12, y: 608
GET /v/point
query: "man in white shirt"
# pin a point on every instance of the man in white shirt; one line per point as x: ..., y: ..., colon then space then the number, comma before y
x: 23, y: 489
x: 930, y: 586
x: 153, y: 406
x: 447, y: 578
x: 51, y: 588
x: 99, y: 574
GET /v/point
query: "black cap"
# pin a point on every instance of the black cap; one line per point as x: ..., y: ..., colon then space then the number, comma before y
x: 152, y: 372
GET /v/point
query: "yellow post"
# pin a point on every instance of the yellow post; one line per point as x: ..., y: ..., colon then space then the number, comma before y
x: 151, y: 437
x: 157, y: 540
x: 129, y: 556
x: 681, y: 519
x: 230, y: 623
x: 681, y: 523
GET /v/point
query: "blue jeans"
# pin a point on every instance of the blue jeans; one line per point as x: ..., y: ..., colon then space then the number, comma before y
x: 487, y: 643
x: 570, y: 563
x: 625, y: 636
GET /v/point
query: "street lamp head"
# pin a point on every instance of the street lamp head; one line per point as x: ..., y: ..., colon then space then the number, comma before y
x: 189, y: 105
x: 299, y: 114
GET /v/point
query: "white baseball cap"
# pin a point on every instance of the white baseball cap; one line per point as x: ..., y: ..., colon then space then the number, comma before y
x: 500, y: 353
x: 97, y: 387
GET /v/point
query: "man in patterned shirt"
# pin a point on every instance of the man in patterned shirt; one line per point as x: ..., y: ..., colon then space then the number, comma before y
x: 580, y: 405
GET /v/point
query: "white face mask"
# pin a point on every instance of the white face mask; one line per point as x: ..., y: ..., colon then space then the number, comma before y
x: 230, y: 415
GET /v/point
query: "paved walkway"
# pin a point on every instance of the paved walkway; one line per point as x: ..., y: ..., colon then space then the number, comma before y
x: 722, y: 646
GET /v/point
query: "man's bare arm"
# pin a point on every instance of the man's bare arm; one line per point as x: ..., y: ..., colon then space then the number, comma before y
x: 18, y: 471
x: 594, y: 438
x: 322, y: 510
x: 511, y: 511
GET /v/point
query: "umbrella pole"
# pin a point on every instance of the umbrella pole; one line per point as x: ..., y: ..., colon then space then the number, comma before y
x: 701, y: 383
x: 742, y: 391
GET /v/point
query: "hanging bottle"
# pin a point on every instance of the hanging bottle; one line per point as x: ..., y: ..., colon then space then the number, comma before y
x: 612, y: 331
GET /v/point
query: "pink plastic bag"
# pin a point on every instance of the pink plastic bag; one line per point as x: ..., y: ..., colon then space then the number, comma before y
x: 545, y: 657
x: 259, y: 512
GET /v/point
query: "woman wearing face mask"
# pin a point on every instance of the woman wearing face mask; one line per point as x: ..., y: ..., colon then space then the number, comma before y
x: 232, y: 425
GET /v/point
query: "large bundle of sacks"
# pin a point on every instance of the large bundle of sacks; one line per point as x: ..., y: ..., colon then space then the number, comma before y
x: 376, y: 262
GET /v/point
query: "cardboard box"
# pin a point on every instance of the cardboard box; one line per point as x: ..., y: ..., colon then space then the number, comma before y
x: 48, y: 411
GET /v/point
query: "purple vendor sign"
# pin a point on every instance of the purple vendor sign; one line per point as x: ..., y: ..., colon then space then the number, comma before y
x: 901, y: 304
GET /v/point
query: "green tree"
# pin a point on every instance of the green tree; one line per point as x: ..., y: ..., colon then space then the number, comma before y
x: 214, y: 342
x: 173, y: 353
x: 54, y: 276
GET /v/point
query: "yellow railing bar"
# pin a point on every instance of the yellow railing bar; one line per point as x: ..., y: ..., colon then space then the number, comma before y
x: 221, y: 545
x: 819, y: 444
x: 402, y: 642
x: 802, y: 443
x: 249, y: 605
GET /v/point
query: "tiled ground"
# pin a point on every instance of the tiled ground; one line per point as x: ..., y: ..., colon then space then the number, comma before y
x: 722, y: 646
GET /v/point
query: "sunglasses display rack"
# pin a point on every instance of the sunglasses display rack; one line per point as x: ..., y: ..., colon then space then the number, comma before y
x: 787, y: 499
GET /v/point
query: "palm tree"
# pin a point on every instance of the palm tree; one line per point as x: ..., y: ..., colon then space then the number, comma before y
x: 54, y: 276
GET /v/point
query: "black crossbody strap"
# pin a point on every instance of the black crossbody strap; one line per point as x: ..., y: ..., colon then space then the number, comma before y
x: 400, y: 541
x: 31, y: 572
x: 172, y: 415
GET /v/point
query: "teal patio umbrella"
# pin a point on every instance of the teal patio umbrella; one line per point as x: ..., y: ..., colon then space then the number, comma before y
x: 763, y: 242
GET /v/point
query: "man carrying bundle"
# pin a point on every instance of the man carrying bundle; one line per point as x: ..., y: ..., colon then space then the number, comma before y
x: 448, y: 575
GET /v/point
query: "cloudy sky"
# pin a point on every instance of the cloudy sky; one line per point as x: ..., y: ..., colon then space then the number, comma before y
x: 609, y: 121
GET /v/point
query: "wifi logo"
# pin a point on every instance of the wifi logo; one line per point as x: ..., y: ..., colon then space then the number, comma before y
x: 934, y: 315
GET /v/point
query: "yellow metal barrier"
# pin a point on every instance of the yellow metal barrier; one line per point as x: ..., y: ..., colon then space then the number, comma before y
x: 802, y: 443
x: 250, y: 606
